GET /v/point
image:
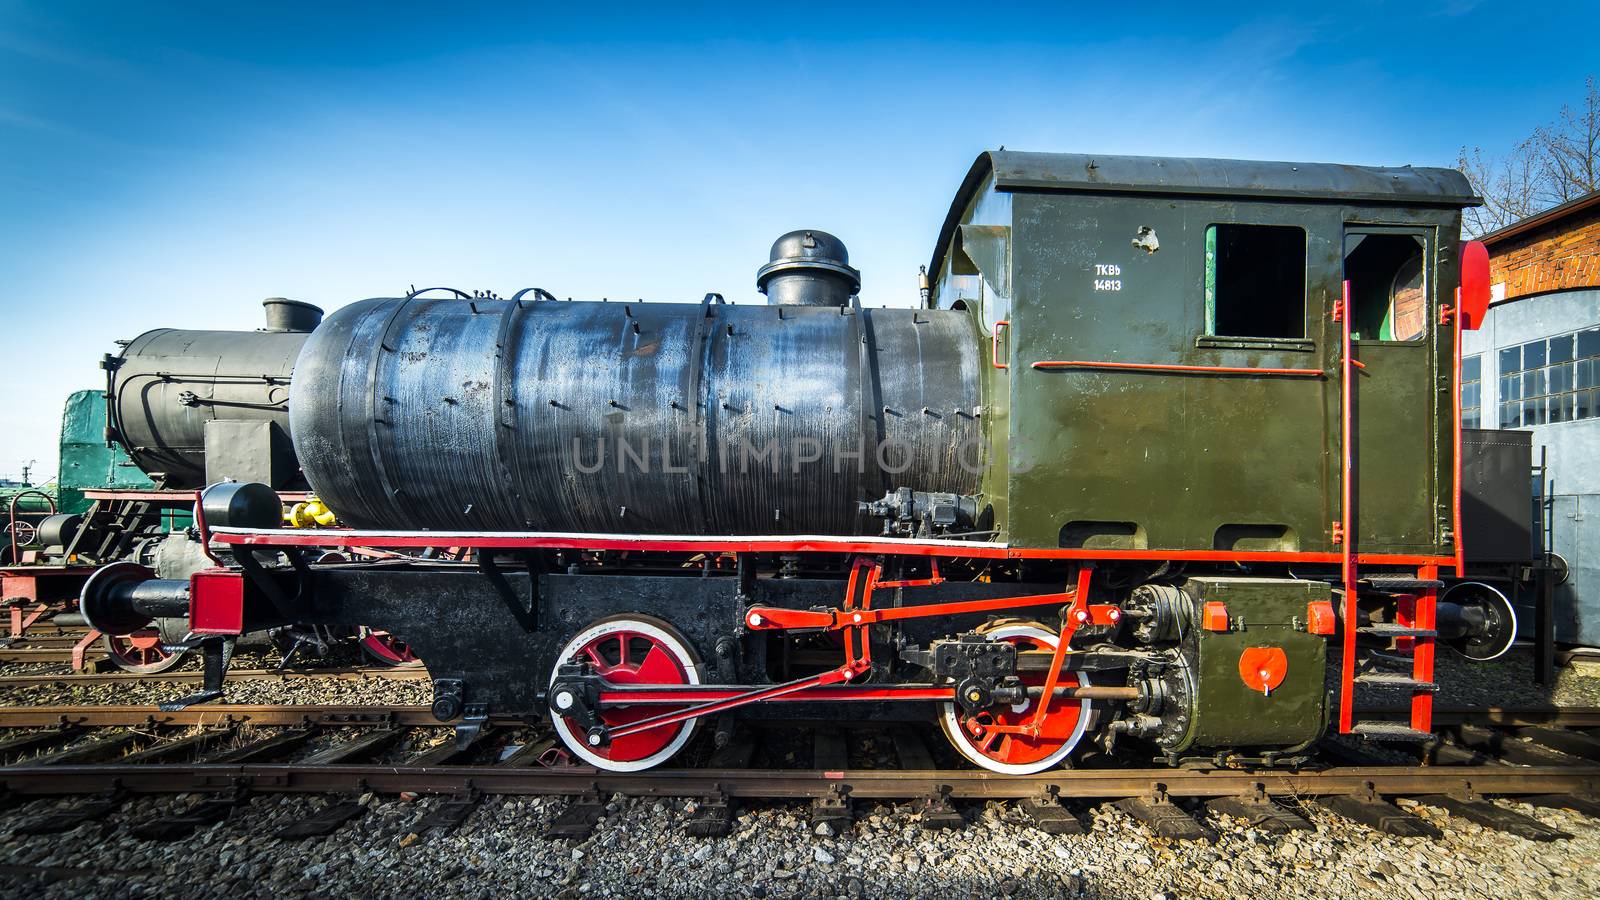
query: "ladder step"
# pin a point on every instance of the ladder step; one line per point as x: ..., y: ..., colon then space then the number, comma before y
x: 1389, y: 679
x: 1390, y: 731
x: 1392, y: 660
x: 1387, y: 629
x: 1394, y: 583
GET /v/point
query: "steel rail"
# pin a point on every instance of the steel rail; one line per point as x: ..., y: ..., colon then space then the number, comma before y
x: 288, y: 715
x: 45, y: 654
x: 336, y: 714
x: 787, y: 784
x: 34, y: 641
x: 362, y: 673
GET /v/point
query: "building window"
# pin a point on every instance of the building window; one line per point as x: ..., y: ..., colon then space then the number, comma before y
x: 1549, y: 381
x: 1471, y: 391
x: 1256, y: 281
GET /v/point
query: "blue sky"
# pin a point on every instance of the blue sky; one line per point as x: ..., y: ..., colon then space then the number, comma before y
x: 167, y: 165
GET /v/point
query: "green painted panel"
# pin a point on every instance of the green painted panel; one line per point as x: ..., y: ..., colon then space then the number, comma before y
x: 1117, y: 459
x: 1151, y: 460
x: 86, y: 461
x: 1262, y: 613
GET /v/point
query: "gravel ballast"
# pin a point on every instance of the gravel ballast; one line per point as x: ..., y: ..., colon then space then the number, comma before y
x: 640, y: 849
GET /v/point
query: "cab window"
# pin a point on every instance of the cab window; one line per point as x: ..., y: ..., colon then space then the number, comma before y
x: 1255, y: 281
x: 1388, y: 289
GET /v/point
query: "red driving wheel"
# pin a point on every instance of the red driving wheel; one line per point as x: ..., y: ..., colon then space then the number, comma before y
x: 140, y: 652
x: 973, y: 734
x: 631, y: 650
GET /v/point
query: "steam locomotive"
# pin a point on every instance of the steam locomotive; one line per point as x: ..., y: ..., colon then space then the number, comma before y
x: 181, y: 409
x: 1158, y: 433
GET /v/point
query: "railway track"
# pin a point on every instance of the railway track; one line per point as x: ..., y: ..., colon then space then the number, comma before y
x: 238, y: 752
x: 293, y: 714
x: 360, y: 673
x: 34, y: 653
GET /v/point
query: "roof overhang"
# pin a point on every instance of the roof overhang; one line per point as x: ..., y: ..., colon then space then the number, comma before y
x: 1541, y: 219
x: 1215, y: 178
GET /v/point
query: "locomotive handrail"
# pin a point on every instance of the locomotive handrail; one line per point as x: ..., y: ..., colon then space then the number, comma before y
x: 994, y: 344
x: 1163, y: 367
x: 1455, y: 393
x: 1346, y: 534
x: 12, y: 527
x: 537, y: 292
x: 460, y: 294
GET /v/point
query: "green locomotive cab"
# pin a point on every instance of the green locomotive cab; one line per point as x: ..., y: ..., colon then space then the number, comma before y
x: 1166, y: 396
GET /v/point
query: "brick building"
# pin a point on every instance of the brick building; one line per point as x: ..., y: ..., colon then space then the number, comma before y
x: 1535, y: 366
x: 1556, y: 250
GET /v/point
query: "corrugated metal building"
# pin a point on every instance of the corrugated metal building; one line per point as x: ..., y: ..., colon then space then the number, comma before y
x: 1535, y: 365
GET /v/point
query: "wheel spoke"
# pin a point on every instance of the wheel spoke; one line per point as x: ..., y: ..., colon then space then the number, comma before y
x: 658, y: 668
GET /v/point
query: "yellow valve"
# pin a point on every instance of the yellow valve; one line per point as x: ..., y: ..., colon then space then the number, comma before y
x: 310, y: 514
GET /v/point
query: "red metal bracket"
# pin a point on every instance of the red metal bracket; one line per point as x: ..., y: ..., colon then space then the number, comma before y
x: 81, y: 648
x: 201, y: 531
x: 772, y: 618
x: 1320, y: 618
x: 932, y: 579
x: 20, y: 623
x: 1074, y: 618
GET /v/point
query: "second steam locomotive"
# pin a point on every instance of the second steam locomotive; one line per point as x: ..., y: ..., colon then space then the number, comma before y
x: 1163, y: 442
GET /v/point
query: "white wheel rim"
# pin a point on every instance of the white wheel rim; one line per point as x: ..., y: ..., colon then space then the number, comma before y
x: 669, y: 642
x: 952, y: 725
x: 1506, y: 607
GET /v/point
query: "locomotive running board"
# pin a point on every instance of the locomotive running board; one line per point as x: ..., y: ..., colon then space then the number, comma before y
x: 772, y: 543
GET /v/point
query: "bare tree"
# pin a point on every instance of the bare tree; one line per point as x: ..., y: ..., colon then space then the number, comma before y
x: 1569, y: 150
x: 1509, y: 186
x: 1558, y: 162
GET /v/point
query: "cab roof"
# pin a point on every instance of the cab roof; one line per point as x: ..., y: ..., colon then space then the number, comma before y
x: 1017, y: 171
